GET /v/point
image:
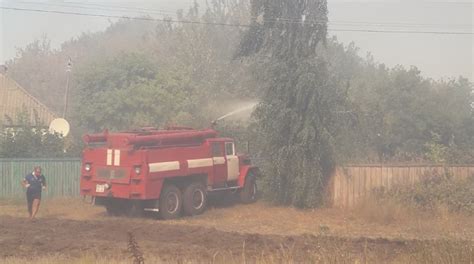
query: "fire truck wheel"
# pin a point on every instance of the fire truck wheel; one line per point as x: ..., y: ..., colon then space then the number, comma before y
x: 195, y: 199
x: 134, y: 209
x: 170, y: 202
x: 113, y: 208
x: 248, y: 194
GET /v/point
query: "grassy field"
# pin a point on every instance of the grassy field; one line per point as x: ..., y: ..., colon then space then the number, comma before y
x: 73, y: 231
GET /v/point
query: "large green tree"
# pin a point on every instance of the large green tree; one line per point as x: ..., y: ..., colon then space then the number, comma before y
x: 296, y: 114
x: 128, y: 91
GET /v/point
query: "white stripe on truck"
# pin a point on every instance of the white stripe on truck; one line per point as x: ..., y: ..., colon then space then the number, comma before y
x: 192, y: 164
x: 164, y: 166
x: 109, y: 157
x: 117, y: 157
x: 199, y: 163
x: 219, y: 160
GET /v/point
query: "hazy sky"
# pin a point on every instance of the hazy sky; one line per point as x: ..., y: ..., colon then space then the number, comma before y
x: 436, y: 55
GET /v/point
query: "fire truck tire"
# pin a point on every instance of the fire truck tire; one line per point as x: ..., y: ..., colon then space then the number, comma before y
x: 135, y: 209
x: 194, y: 199
x: 248, y: 194
x: 170, y: 202
x: 114, y: 207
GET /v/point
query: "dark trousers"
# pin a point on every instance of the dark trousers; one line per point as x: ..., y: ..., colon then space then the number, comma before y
x: 30, y: 196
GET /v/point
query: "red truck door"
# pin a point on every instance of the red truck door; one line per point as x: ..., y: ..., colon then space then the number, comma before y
x: 220, y: 164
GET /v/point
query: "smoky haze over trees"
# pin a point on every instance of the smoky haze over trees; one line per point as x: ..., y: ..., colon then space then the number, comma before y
x: 321, y: 103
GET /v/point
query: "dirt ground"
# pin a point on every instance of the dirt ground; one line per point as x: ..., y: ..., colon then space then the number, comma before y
x: 72, y: 230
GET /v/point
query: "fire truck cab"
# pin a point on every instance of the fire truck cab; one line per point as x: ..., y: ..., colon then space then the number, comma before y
x: 166, y: 172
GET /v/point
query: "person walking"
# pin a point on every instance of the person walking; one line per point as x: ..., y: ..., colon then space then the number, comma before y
x: 34, y: 183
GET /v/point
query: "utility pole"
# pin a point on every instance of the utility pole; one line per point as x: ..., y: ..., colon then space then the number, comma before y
x: 66, y: 94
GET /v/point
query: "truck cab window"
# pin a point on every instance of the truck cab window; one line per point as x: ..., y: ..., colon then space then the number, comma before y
x: 229, y: 149
x: 217, y: 149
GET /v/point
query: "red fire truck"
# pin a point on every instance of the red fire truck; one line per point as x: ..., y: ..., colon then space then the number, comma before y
x: 166, y: 172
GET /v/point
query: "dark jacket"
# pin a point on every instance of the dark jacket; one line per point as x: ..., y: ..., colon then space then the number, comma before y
x: 36, y: 183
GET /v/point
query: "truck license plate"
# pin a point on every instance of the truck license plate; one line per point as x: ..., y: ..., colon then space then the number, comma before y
x: 100, y: 188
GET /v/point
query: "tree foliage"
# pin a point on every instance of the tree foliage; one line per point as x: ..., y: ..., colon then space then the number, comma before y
x: 320, y: 100
x: 398, y: 115
x: 41, y: 71
x: 181, y: 75
x: 31, y: 140
x: 295, y: 116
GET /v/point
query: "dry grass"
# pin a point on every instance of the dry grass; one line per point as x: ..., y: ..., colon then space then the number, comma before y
x: 57, y: 259
x: 441, y: 252
x: 62, y: 208
x: 369, y: 220
x: 412, y: 223
x: 331, y: 255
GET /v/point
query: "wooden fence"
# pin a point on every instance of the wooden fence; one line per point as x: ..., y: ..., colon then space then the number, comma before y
x: 62, y: 176
x: 351, y: 183
x: 347, y: 185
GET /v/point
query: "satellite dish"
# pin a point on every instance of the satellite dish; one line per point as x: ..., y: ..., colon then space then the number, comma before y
x: 60, y: 126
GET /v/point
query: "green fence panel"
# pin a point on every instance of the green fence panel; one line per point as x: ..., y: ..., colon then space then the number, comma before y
x: 62, y: 176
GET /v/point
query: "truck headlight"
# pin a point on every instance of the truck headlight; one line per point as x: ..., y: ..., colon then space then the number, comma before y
x: 87, y: 167
x: 138, y: 170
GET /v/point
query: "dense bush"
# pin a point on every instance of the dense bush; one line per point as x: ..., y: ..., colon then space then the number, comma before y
x: 434, y: 192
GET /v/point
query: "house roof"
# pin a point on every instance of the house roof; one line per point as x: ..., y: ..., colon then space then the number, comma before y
x: 14, y: 99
